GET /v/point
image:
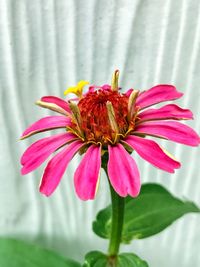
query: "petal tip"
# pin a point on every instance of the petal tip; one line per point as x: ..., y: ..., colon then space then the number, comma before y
x: 196, y: 141
x: 178, y: 165
x: 180, y: 93
x: 136, y: 192
x: 44, y: 191
x: 24, y: 171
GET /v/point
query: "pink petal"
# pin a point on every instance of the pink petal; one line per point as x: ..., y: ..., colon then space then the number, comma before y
x: 157, y: 94
x: 170, y: 111
x: 91, y: 89
x: 87, y: 174
x: 58, y: 101
x: 106, y: 87
x: 152, y: 152
x: 45, y: 124
x: 123, y: 172
x: 128, y: 93
x: 56, y: 168
x: 171, y: 130
x: 39, y: 151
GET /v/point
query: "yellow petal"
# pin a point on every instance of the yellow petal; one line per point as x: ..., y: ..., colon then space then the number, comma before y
x: 77, y: 90
x: 81, y: 84
x: 70, y: 90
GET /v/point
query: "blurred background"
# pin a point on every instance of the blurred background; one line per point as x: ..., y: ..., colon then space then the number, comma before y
x: 47, y: 46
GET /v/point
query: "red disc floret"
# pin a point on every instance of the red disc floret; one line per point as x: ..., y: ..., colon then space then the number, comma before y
x: 95, y: 122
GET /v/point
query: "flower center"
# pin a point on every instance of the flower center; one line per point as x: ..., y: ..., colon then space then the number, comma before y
x: 95, y: 123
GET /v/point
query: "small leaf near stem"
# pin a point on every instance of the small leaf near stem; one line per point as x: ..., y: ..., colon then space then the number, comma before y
x: 97, y: 258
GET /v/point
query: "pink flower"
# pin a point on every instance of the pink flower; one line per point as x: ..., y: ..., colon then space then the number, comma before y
x: 105, y: 121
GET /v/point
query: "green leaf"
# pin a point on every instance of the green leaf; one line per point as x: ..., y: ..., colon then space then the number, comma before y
x: 148, y: 214
x: 98, y: 259
x: 15, y: 253
x: 130, y: 260
x: 95, y: 259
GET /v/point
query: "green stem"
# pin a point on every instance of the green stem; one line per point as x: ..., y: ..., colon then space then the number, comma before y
x: 117, y: 203
x: 117, y: 222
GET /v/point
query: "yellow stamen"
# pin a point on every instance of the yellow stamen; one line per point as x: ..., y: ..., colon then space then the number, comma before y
x: 77, y: 90
x: 131, y: 103
x: 114, y: 83
x: 52, y: 106
x: 76, y: 116
x: 111, y: 116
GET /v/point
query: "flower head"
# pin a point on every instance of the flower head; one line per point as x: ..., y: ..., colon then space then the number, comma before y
x: 104, y: 121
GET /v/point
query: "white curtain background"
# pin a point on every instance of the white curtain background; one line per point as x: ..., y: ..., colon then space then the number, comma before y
x: 46, y: 46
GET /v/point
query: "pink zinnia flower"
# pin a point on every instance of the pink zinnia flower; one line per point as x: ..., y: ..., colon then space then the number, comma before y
x: 103, y: 120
